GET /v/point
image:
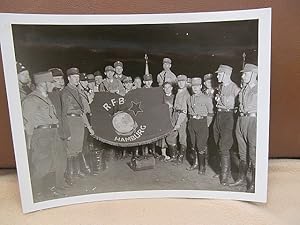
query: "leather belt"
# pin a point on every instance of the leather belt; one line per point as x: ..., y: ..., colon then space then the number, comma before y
x: 225, y: 110
x: 197, y: 117
x: 248, y: 114
x: 47, y: 126
x: 74, y: 114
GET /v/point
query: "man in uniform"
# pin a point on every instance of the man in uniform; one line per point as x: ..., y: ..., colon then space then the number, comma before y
x: 91, y: 82
x: 147, y: 80
x: 61, y: 151
x: 74, y: 121
x: 41, y: 129
x: 246, y: 125
x: 111, y: 84
x: 98, y: 80
x: 180, y: 118
x: 166, y: 75
x: 200, y: 108
x: 128, y: 85
x: 119, y: 71
x: 208, y: 85
x: 168, y: 98
x: 137, y: 83
x: 24, y: 80
x: 224, y: 121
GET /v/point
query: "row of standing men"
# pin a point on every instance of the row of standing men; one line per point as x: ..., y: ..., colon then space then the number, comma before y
x: 68, y: 117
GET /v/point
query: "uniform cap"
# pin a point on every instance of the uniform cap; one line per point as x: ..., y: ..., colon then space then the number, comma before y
x: 72, y: 71
x: 167, y: 60
x: 208, y: 76
x: 224, y: 68
x: 90, y: 77
x: 43, y: 77
x: 83, y: 77
x: 118, y: 63
x: 250, y: 68
x: 56, y: 72
x: 147, y: 77
x: 182, y: 78
x: 98, y: 73
x: 196, y: 81
x: 20, y: 67
x: 127, y: 80
x: 109, y: 68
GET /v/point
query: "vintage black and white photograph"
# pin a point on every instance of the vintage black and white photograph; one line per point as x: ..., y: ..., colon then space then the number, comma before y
x: 111, y: 107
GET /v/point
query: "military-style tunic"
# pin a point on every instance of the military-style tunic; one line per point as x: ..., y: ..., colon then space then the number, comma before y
x: 40, y: 122
x: 166, y: 76
x: 113, y: 86
x: 246, y: 123
x: 72, y: 115
x: 224, y: 120
x: 180, y: 117
x: 120, y: 77
x: 200, y: 106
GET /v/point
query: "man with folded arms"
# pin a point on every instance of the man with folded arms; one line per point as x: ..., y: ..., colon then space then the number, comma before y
x: 246, y: 125
x: 41, y: 128
x: 166, y: 75
x: 224, y: 120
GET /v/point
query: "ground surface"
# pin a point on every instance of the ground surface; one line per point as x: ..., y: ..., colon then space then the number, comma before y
x: 118, y: 176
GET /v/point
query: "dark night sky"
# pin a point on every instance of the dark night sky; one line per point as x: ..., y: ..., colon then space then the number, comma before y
x: 195, y: 48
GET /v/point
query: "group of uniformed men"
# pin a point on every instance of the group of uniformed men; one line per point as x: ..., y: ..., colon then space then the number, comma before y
x: 57, y: 119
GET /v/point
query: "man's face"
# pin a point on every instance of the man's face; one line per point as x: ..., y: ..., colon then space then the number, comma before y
x: 137, y: 82
x: 168, y: 89
x: 166, y: 66
x: 128, y: 85
x: 208, y: 84
x: 119, y: 69
x: 24, y: 77
x: 98, y: 80
x: 59, y: 82
x: 50, y: 86
x: 196, y: 89
x: 74, y: 79
x: 182, y: 84
x: 109, y: 74
x: 91, y: 85
x: 246, y: 77
x: 148, y: 83
x: 220, y: 77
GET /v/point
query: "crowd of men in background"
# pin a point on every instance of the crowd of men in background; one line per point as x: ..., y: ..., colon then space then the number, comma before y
x: 58, y: 130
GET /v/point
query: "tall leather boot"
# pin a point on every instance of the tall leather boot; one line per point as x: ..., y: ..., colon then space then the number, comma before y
x: 84, y: 165
x: 195, y: 164
x: 69, y: 171
x: 173, y: 152
x: 251, y: 188
x: 242, y: 174
x: 202, y: 165
x: 181, y: 155
x: 225, y: 161
x: 77, y: 170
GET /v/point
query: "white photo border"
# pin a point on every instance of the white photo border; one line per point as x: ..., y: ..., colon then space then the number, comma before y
x: 264, y: 59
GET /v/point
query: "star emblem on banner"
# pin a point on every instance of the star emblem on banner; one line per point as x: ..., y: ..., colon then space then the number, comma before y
x: 135, y: 108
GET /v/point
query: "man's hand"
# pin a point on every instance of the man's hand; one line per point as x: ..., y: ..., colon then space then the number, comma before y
x: 68, y: 138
